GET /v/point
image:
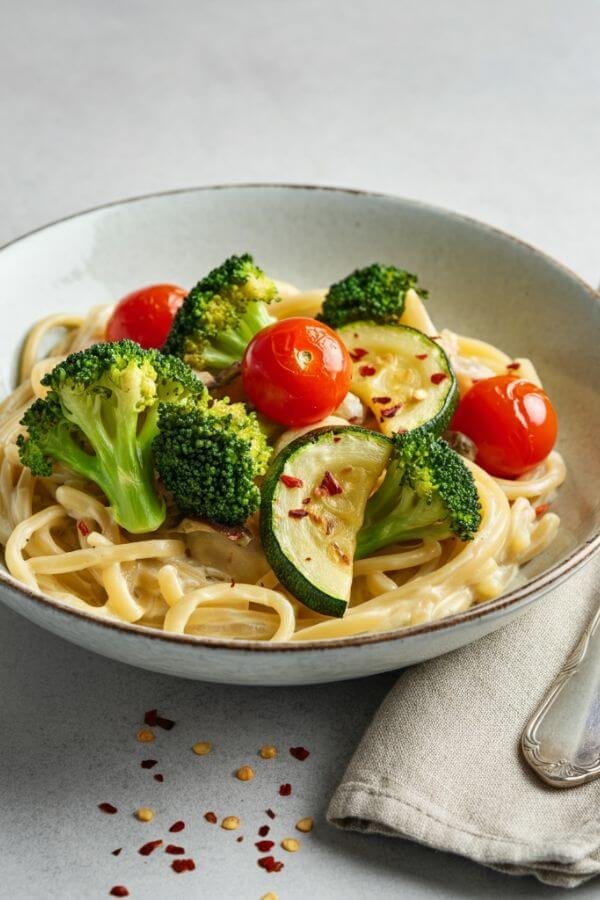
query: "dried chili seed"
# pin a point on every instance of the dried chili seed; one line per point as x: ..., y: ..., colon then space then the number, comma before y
x: 107, y: 808
x: 270, y: 895
x: 438, y: 377
x: 305, y: 825
x: 119, y: 890
x: 381, y: 400
x: 267, y: 751
x: 144, y: 814
x: 210, y: 817
x: 291, y: 845
x: 183, y: 865
x: 159, y: 777
x: 270, y: 813
x: 148, y: 763
x: 263, y: 830
x: 174, y: 850
x: 290, y: 481
x: 514, y: 365
x: 367, y: 371
x: 264, y: 846
x: 330, y: 484
x: 542, y: 509
x: 300, y: 753
x: 83, y: 531
x: 230, y: 823
x: 285, y: 790
x: 391, y: 411
x: 164, y: 723
x: 145, y: 736
x: 116, y: 852
x: 245, y: 773
x: 202, y: 748
x: 151, y: 718
x: 177, y: 826
x: 297, y: 513
x: 150, y: 847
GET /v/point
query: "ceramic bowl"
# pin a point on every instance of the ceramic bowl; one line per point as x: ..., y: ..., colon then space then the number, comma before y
x: 482, y: 282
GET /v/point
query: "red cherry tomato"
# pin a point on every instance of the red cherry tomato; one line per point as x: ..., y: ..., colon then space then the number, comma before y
x: 146, y: 315
x: 511, y: 421
x: 296, y: 371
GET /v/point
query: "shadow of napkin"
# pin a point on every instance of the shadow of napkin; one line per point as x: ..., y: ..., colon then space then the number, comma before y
x: 440, y: 763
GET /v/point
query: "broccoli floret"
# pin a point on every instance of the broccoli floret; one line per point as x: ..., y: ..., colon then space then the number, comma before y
x: 99, y: 419
x: 427, y: 493
x: 209, y: 458
x: 221, y: 315
x: 374, y: 294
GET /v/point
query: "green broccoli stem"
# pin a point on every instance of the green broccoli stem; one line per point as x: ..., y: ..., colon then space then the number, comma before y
x: 229, y: 346
x: 413, y: 518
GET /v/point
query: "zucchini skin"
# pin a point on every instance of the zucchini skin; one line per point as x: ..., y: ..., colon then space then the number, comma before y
x: 289, y: 576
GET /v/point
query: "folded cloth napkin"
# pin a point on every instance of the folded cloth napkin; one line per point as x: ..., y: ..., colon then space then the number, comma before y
x: 440, y: 763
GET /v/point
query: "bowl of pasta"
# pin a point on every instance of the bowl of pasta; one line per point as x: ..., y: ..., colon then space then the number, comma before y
x: 269, y: 434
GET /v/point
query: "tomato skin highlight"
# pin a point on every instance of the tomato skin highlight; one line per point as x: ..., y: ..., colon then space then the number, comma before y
x: 146, y: 315
x: 297, y: 371
x: 512, y: 423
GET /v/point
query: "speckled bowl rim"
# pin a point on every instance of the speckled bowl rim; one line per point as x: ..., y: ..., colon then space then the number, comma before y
x: 535, y: 588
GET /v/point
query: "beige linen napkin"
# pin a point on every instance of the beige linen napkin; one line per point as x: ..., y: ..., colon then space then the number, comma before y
x: 440, y: 762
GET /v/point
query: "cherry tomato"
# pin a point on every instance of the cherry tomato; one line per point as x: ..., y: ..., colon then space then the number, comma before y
x: 511, y: 421
x: 146, y: 315
x: 296, y: 371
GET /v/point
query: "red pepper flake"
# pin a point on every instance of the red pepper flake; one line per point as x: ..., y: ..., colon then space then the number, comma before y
x: 148, y: 763
x: 264, y: 846
x: 337, y: 439
x: 421, y: 355
x: 119, y: 890
x: 542, y: 509
x: 263, y: 830
x: 166, y: 724
x: 297, y: 513
x: 358, y: 353
x: 438, y: 377
x: 270, y: 864
x: 514, y: 365
x: 270, y: 813
x: 367, y: 371
x: 232, y: 583
x: 149, y: 848
x: 239, y: 839
x: 391, y: 411
x: 290, y: 481
x: 330, y: 484
x: 116, y: 852
x: 210, y: 817
x: 382, y: 399
x: 183, y: 865
x: 306, y: 501
x: 285, y: 790
x: 151, y: 718
x: 107, y: 808
x: 435, y: 337
x: 177, y: 826
x: 84, y: 531
x: 159, y: 777
x: 300, y: 753
x: 174, y: 850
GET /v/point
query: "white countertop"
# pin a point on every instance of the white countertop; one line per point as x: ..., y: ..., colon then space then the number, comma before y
x: 489, y: 109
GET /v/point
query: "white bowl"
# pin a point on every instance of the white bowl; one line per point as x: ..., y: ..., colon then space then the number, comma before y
x: 482, y: 282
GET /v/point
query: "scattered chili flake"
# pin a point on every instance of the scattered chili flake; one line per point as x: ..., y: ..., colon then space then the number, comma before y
x: 343, y: 557
x: 239, y: 839
x: 291, y: 845
x: 151, y: 718
x: 329, y: 525
x: 305, y: 825
x: 202, y: 748
x: 290, y: 481
x: 167, y: 724
x: 297, y: 513
x: 158, y: 777
x: 174, y: 850
x: 177, y: 826
x: 306, y: 501
x: 270, y: 864
x: 514, y: 365
x: 330, y: 484
x: 391, y: 411
x: 230, y: 823
x: 270, y: 813
x: 337, y: 439
x: 382, y: 400
x: 84, y: 531
x: 542, y: 509
x: 183, y: 865
x: 300, y: 753
x: 263, y: 830
x: 367, y: 371
x: 438, y: 377
x: 107, y: 808
x: 435, y: 337
x: 119, y: 890
x: 307, y: 558
x: 285, y: 790
x: 358, y: 353
x: 144, y: 814
x: 267, y: 751
x: 148, y: 763
x: 210, y: 817
x: 232, y: 583
x: 145, y: 736
x: 264, y: 846
x: 421, y: 355
x: 150, y: 847
x: 116, y: 852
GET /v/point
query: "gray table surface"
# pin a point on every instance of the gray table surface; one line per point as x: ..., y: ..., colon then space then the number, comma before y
x: 490, y: 109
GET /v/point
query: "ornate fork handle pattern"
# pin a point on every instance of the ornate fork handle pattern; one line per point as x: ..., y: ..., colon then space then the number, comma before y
x: 561, y: 742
